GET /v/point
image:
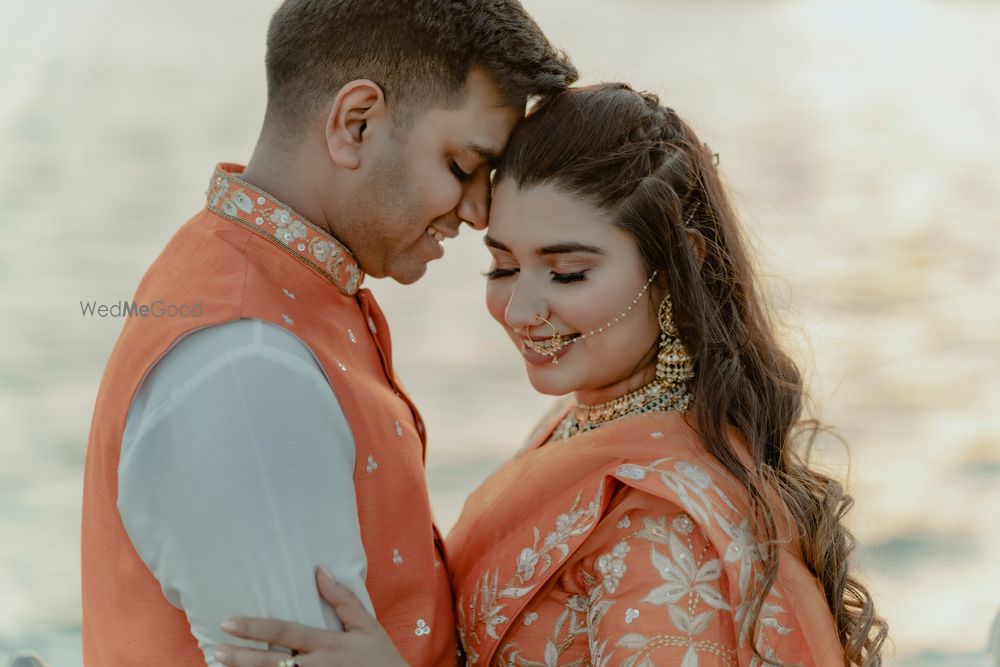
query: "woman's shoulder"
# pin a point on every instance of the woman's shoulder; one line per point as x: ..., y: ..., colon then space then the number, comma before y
x: 686, y: 481
x: 673, y: 465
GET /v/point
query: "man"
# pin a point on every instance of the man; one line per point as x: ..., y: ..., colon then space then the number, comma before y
x: 261, y: 432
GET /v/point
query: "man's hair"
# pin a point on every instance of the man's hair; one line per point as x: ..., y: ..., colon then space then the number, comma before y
x: 418, y: 51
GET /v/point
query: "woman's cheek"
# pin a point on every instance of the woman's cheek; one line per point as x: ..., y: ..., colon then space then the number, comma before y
x: 497, y: 297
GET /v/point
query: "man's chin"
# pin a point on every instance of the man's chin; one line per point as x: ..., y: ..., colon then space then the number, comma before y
x: 409, y: 275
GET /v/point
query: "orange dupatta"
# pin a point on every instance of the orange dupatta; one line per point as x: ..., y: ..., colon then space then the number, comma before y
x: 625, y: 545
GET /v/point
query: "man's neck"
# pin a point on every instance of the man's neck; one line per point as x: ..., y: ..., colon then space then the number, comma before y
x: 288, y: 182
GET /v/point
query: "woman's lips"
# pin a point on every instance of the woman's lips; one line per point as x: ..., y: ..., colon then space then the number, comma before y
x: 538, y: 358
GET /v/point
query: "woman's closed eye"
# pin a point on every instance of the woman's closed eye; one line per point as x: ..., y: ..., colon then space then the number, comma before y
x: 497, y: 273
x: 574, y: 277
x: 561, y: 278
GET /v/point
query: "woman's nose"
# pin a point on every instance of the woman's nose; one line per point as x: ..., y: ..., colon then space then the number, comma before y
x: 524, y: 310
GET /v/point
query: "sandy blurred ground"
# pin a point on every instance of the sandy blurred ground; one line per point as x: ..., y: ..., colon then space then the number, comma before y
x: 861, y: 141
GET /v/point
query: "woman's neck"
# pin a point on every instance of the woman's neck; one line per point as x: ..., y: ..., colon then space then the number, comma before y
x: 642, y: 377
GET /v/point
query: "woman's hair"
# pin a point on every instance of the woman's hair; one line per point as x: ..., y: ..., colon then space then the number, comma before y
x: 627, y: 155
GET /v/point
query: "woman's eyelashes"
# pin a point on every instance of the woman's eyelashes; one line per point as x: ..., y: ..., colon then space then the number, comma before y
x: 495, y: 274
x: 561, y: 278
x: 574, y: 277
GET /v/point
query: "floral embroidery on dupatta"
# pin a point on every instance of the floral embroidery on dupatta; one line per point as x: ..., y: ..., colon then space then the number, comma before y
x: 233, y: 198
x: 569, y: 625
x: 661, y: 593
x: 702, y: 498
x: 689, y: 592
x: 485, y: 608
x: 685, y: 577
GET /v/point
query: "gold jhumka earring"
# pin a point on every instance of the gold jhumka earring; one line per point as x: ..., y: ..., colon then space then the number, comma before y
x: 673, y: 363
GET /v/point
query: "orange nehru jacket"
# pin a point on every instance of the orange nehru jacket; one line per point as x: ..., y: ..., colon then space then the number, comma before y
x: 249, y: 256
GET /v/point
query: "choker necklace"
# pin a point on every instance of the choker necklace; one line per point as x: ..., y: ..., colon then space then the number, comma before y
x: 657, y: 396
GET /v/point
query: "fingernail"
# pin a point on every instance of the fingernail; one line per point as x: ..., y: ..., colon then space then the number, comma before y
x: 230, y: 625
x: 221, y: 656
x: 325, y: 572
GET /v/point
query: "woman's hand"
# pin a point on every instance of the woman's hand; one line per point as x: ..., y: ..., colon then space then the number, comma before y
x: 362, y: 643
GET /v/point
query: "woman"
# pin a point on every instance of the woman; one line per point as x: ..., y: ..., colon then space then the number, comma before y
x: 662, y: 515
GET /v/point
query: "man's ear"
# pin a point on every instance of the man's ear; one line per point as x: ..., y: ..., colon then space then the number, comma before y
x: 357, y: 104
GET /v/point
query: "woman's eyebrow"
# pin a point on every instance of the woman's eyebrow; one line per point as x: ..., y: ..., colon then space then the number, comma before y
x: 493, y: 243
x: 571, y: 247
x: 568, y: 247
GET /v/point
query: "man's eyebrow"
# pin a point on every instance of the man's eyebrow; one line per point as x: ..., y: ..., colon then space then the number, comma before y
x: 493, y: 243
x: 570, y: 247
x: 487, y: 154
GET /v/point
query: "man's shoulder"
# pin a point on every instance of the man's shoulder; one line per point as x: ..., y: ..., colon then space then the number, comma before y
x: 241, y: 341
x: 244, y: 372
x: 247, y: 347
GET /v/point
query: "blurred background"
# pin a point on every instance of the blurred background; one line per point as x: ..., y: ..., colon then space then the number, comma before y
x: 861, y: 141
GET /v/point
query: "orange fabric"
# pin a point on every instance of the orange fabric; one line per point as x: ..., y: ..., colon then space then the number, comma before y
x: 249, y: 256
x: 626, y: 545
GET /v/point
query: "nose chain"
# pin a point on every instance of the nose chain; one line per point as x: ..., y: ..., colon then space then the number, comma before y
x: 554, y: 345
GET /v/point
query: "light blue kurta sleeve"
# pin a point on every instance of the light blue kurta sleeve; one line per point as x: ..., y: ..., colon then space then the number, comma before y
x: 236, y: 480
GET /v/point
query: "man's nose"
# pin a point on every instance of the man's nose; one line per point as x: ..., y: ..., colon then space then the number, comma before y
x: 474, y: 206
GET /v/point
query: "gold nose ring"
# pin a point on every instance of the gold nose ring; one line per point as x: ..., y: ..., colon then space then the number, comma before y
x: 553, y: 347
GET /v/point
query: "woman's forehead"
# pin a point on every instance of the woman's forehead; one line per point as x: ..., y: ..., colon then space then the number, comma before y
x: 540, y: 216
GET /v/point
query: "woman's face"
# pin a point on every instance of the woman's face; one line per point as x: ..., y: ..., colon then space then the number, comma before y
x: 558, y: 257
